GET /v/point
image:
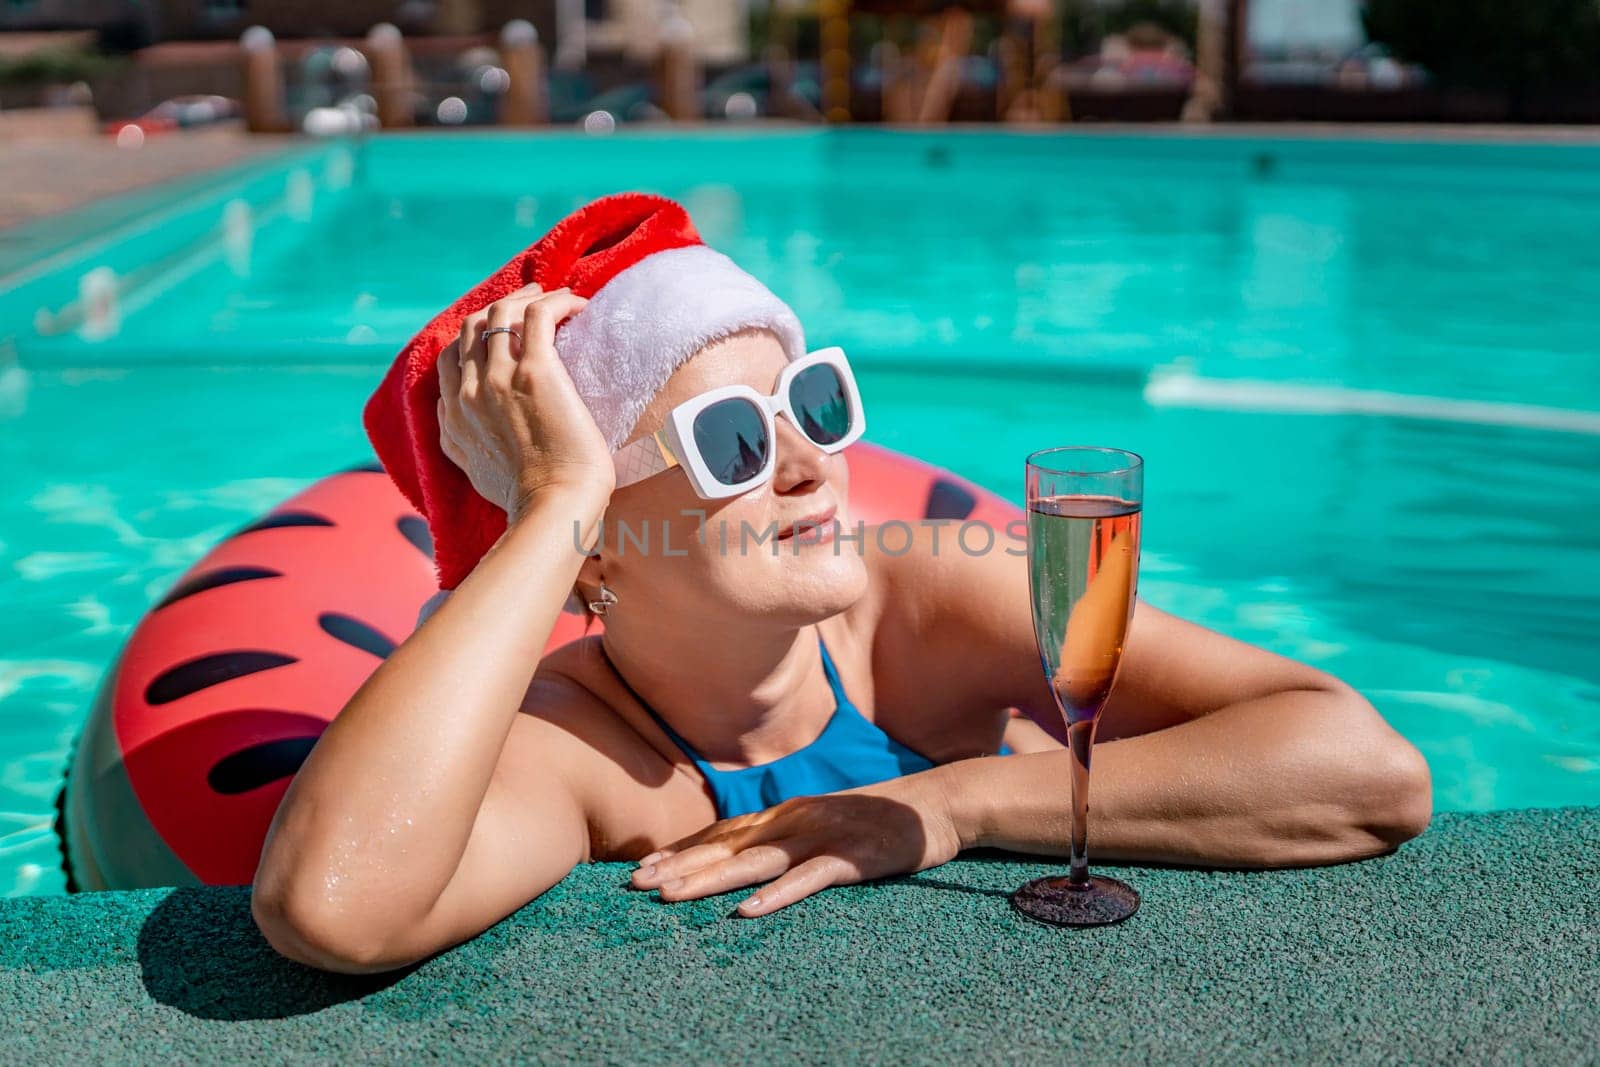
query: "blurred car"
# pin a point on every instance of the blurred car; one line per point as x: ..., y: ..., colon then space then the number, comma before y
x: 352, y: 114
x: 1143, y: 58
x: 1370, y: 67
x: 569, y: 91
x: 180, y: 112
x: 746, y: 91
x: 634, y: 102
x: 740, y: 93
x: 1373, y: 66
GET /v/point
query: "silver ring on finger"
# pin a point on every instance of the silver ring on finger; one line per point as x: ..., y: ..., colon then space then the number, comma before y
x: 503, y: 329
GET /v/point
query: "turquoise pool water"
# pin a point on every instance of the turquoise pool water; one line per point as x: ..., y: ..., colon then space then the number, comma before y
x: 1363, y: 376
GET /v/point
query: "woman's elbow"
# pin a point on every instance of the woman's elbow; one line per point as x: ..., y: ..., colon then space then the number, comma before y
x: 1400, y: 803
x: 1387, y: 785
x: 301, y: 930
x: 1367, y: 790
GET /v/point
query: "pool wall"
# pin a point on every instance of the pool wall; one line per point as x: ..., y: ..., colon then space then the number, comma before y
x: 142, y: 243
x: 1474, y: 943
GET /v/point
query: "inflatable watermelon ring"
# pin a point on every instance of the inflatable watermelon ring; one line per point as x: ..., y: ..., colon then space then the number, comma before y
x: 227, y: 682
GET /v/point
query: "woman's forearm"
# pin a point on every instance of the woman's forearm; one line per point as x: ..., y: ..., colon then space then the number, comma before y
x: 1297, y: 777
x: 378, y: 817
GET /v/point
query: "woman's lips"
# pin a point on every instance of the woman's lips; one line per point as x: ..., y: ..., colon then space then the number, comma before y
x: 812, y: 530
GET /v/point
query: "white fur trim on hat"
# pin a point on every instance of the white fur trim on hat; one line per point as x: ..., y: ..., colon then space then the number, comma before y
x: 650, y: 318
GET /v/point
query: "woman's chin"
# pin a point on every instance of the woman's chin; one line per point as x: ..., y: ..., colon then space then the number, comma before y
x: 820, y: 584
x: 800, y: 588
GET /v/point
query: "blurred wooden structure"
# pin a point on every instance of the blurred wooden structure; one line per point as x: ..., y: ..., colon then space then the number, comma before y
x: 391, y: 59
x: 922, y: 78
x: 1220, y: 51
x: 1030, y: 52
x: 527, y: 99
x: 264, y: 110
x: 677, y: 69
x: 393, y: 79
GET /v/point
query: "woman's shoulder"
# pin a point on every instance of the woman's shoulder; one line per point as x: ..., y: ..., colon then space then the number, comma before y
x: 574, y: 683
x: 576, y: 687
x: 621, y: 765
x: 569, y: 692
x: 942, y: 604
x: 927, y: 576
x: 942, y: 626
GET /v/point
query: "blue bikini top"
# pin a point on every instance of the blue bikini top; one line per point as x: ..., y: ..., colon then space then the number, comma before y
x: 850, y: 751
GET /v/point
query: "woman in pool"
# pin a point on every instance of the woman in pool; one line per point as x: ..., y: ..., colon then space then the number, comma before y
x: 697, y: 735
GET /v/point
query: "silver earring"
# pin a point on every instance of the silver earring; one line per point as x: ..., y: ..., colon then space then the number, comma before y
x: 607, y: 598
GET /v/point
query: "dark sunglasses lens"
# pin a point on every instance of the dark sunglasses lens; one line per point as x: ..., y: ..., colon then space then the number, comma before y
x: 732, y: 438
x: 818, y: 396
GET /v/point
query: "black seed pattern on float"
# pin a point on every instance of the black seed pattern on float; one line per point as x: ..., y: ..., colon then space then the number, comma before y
x: 259, y: 765
x: 199, y: 583
x: 355, y: 633
x: 947, y: 500
x: 204, y: 672
x: 415, y: 529
x: 286, y: 518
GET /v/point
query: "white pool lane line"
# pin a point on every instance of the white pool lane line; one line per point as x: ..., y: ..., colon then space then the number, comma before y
x: 1181, y: 389
x: 137, y: 289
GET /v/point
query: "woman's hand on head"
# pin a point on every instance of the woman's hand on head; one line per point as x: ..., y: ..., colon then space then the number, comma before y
x: 509, y: 415
x: 808, y: 843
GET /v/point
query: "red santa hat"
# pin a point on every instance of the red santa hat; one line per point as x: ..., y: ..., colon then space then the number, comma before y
x: 657, y: 294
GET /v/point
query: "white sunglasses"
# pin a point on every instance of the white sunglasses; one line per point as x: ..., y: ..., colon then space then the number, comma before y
x: 723, y: 438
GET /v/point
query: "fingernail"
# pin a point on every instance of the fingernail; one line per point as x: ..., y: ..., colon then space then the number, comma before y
x: 646, y: 872
x: 651, y: 858
x: 750, y: 905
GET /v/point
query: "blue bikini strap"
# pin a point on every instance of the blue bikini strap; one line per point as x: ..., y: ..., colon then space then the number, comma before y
x: 832, y: 672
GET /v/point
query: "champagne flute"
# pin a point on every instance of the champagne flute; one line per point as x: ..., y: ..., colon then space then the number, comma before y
x: 1084, y: 507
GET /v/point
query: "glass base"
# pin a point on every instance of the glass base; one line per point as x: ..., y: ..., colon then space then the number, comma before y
x: 1057, y: 901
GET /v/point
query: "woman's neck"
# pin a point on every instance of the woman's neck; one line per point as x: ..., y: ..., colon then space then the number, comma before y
x: 743, y: 697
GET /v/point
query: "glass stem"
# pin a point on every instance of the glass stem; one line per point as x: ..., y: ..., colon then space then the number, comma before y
x: 1080, y: 738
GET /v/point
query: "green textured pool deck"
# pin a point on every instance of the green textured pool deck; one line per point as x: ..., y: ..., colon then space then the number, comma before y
x: 1477, y: 942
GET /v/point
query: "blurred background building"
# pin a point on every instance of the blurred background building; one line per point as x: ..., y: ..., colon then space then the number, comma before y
x: 181, y: 61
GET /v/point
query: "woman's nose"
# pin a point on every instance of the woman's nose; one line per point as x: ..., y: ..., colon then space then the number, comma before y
x: 799, y: 461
